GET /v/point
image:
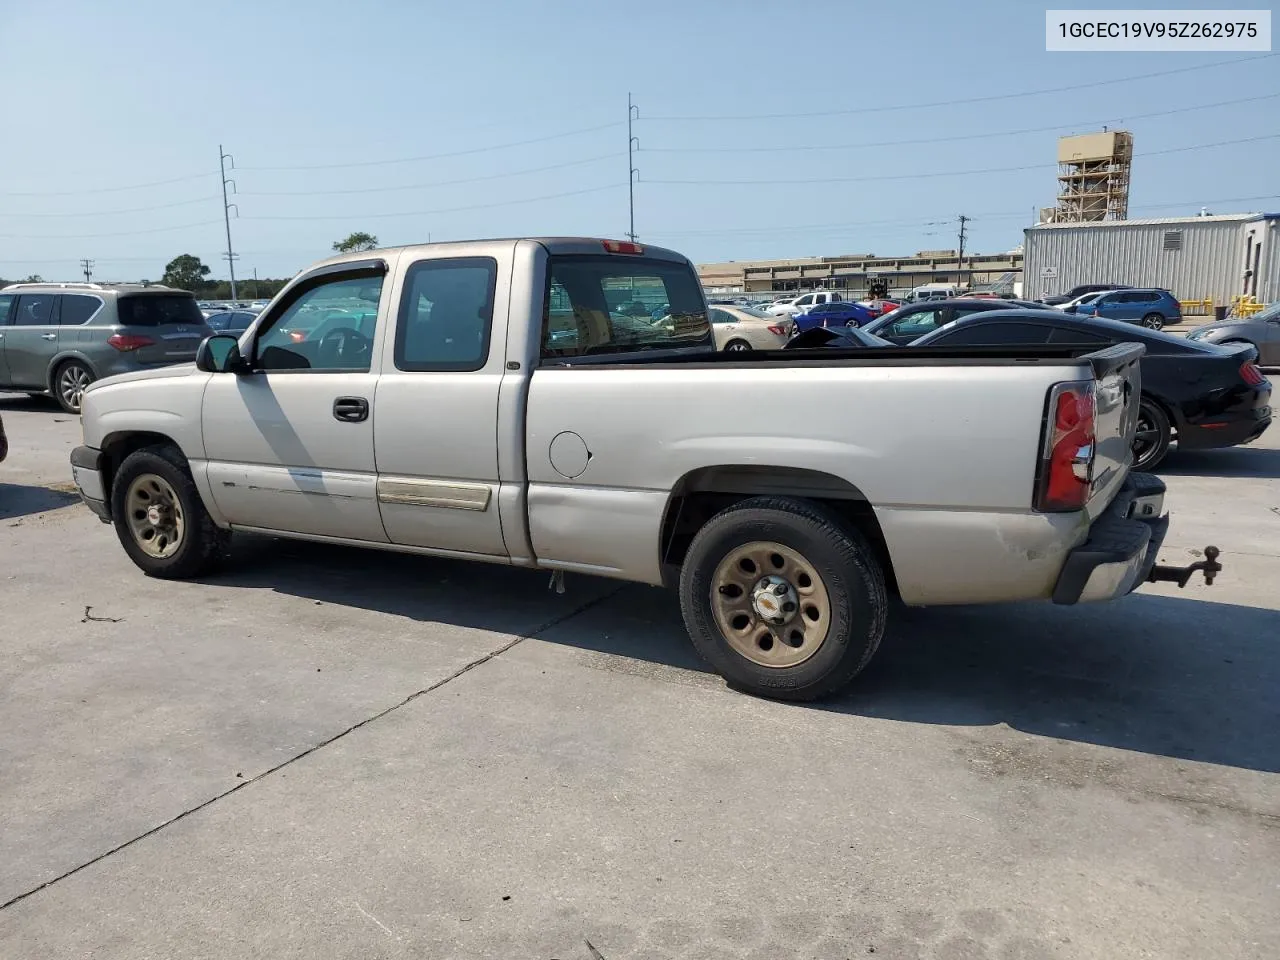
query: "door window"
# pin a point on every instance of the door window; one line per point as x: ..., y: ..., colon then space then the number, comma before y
x: 913, y: 325
x: 6, y: 308
x: 33, y: 310
x: 76, y: 309
x: 805, y: 300
x: 446, y: 314
x: 329, y: 326
x: 719, y: 316
x: 994, y: 334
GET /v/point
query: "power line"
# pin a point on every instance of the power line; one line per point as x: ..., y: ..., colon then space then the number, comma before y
x: 948, y: 173
x: 967, y: 100
x: 442, y: 156
x: 426, y: 213
x: 434, y: 183
x: 81, y: 193
x: 96, y: 236
x: 964, y: 136
x: 113, y: 213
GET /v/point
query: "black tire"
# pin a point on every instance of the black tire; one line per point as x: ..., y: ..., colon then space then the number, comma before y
x: 203, y: 544
x: 1155, y: 433
x: 737, y: 346
x: 1153, y: 321
x: 69, y: 382
x: 840, y: 556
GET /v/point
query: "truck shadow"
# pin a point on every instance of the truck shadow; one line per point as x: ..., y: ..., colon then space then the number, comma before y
x: 1168, y: 676
x: 20, y: 500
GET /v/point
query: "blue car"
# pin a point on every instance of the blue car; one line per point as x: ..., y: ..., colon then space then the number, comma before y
x: 1149, y: 306
x: 836, y: 314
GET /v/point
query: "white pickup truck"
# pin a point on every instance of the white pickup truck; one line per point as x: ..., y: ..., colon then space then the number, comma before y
x: 488, y: 401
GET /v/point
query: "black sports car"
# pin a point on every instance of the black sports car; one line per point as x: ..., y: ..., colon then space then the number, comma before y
x: 1196, y: 394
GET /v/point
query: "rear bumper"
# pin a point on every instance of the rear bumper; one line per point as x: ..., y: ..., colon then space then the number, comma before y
x: 1122, y: 545
x: 1228, y: 430
x: 86, y: 469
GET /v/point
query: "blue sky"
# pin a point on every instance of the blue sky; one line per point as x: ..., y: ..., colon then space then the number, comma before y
x: 528, y: 101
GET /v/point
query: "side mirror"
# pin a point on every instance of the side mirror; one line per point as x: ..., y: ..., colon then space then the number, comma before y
x: 220, y: 354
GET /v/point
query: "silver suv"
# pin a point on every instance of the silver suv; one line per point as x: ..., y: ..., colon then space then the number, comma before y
x: 57, y: 338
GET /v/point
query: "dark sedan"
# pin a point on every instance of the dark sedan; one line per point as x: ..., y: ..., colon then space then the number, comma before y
x: 1193, y: 393
x: 1261, y: 331
x: 914, y: 320
x: 233, y: 322
x: 1080, y: 291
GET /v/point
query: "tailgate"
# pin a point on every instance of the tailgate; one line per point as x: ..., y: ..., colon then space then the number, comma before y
x: 1119, y: 387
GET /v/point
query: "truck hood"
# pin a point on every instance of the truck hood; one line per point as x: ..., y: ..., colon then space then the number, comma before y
x: 159, y: 373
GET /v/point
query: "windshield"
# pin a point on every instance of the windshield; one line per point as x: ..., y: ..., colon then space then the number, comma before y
x: 607, y: 304
x: 155, y: 309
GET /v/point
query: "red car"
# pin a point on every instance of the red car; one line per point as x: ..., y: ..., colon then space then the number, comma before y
x: 879, y: 308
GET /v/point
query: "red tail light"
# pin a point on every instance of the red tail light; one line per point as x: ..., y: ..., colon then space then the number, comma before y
x: 1251, y: 374
x: 124, y: 342
x: 1066, y: 470
x: 623, y: 246
x: 776, y: 330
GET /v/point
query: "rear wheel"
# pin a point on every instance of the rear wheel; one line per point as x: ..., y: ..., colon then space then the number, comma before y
x: 69, y: 384
x: 782, y: 599
x: 1151, y: 443
x: 160, y: 519
x: 1153, y: 321
x: 737, y: 346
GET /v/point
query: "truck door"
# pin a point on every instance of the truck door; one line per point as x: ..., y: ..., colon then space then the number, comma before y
x: 289, y: 442
x: 436, y: 424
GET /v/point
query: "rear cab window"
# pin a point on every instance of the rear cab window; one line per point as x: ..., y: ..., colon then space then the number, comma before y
x: 596, y: 305
x: 158, y: 309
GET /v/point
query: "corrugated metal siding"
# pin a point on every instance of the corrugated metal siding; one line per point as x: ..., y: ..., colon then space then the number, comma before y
x: 1208, y: 264
x: 1269, y: 262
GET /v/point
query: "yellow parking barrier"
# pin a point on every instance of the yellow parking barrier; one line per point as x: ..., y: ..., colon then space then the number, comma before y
x: 1196, y: 307
x: 1243, y: 306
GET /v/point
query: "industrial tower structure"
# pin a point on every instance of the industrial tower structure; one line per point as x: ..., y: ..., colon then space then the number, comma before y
x: 1093, y: 178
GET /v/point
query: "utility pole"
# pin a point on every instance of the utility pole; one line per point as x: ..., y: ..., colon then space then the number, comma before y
x: 960, y: 259
x: 256, y: 295
x: 226, y: 213
x: 87, y: 266
x: 633, y: 113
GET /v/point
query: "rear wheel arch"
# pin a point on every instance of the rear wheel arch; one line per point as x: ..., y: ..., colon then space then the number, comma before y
x: 51, y: 375
x: 702, y: 493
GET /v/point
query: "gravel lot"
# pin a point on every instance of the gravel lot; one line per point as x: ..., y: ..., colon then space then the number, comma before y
x: 332, y: 753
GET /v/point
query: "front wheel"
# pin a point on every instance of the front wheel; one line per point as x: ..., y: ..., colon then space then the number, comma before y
x: 1153, y: 321
x: 160, y: 519
x: 1151, y: 442
x: 782, y: 599
x: 70, y: 383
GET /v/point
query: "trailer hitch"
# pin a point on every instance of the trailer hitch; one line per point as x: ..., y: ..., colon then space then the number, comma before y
x: 1180, y: 575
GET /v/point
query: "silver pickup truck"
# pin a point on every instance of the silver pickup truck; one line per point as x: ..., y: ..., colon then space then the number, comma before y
x: 510, y: 401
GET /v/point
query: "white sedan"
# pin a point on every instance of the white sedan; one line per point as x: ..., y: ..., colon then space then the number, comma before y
x: 738, y: 329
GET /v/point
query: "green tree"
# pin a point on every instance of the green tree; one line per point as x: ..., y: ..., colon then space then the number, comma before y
x: 356, y: 242
x: 185, y: 272
x: 34, y: 278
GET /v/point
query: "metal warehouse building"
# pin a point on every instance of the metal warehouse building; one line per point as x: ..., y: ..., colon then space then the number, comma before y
x: 1196, y: 258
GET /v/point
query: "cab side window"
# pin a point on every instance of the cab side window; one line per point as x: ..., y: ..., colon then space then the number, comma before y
x: 446, y: 314
x: 915, y: 324
x: 6, y: 307
x: 328, y: 327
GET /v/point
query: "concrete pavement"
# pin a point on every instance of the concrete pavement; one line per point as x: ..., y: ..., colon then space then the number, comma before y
x: 332, y: 753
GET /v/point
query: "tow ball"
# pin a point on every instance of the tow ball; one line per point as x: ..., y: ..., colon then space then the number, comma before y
x: 1180, y: 575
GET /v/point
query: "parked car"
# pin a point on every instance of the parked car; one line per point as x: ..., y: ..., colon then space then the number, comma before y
x: 656, y: 460
x: 934, y: 291
x: 803, y: 302
x: 914, y: 320
x: 1260, y: 331
x: 739, y: 329
x: 1195, y: 394
x: 227, y: 321
x: 57, y: 338
x: 845, y: 337
x: 880, y: 307
x: 836, y: 314
x: 1077, y: 304
x: 1080, y: 289
x: 1151, y: 307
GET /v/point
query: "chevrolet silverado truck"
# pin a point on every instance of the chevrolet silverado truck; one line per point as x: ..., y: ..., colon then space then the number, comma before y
x: 489, y: 401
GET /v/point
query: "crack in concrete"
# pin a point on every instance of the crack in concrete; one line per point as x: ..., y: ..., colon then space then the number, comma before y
x: 465, y: 668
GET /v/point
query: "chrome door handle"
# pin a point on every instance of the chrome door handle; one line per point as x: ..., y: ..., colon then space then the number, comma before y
x: 48, y: 336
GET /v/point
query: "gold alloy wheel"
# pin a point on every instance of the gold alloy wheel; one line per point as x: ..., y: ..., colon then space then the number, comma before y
x: 155, y: 516
x: 770, y: 604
